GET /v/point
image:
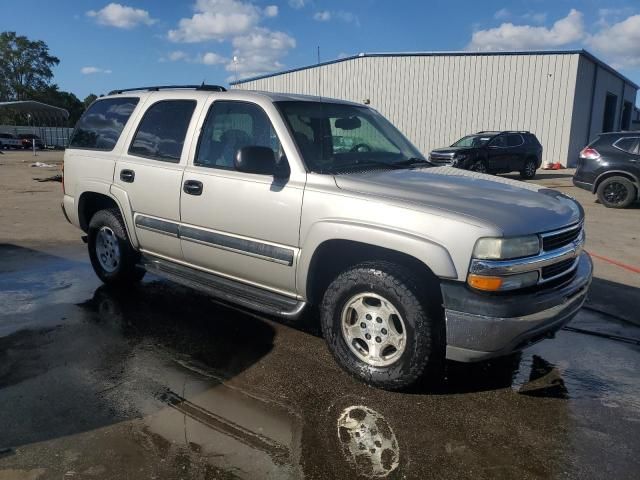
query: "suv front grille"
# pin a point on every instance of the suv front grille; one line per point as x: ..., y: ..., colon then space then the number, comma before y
x: 441, y: 158
x: 556, y: 269
x: 552, y: 241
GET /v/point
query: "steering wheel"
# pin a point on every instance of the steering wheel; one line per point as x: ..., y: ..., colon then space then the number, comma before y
x: 361, y: 147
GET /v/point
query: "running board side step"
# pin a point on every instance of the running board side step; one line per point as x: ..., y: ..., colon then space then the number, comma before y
x: 225, y: 289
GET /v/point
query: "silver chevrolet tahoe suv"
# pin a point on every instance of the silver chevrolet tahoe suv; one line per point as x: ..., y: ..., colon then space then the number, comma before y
x: 280, y: 202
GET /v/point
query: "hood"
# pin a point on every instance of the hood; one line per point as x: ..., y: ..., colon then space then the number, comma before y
x: 451, y: 150
x: 515, y: 208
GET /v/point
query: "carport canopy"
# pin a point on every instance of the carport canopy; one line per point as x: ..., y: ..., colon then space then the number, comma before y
x: 39, y: 111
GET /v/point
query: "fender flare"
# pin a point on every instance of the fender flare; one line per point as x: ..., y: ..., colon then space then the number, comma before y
x: 116, y: 194
x: 432, y: 255
x: 599, y: 178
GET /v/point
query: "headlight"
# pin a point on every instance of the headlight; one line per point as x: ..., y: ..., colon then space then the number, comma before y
x: 459, y: 157
x: 497, y: 284
x: 506, y: 248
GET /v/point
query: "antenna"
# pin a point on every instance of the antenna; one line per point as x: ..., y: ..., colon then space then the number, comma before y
x: 235, y: 64
x: 319, y: 75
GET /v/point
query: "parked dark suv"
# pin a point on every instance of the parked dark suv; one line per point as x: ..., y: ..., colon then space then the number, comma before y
x: 493, y: 152
x: 610, y: 167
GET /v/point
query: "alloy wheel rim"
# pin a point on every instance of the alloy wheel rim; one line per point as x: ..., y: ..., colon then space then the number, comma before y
x: 373, y: 329
x: 615, y: 193
x: 530, y: 169
x: 107, y: 249
x: 480, y: 168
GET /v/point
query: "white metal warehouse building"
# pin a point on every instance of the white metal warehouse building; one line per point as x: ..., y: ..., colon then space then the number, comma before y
x: 564, y: 97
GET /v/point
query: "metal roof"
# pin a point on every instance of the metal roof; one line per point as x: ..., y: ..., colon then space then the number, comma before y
x: 582, y: 52
x: 35, y: 108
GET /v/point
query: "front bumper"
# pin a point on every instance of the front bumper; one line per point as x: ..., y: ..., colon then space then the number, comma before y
x: 481, y: 326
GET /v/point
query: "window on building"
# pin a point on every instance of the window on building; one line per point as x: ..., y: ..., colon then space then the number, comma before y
x: 625, y: 121
x: 609, y: 118
x: 162, y: 130
x: 100, y: 126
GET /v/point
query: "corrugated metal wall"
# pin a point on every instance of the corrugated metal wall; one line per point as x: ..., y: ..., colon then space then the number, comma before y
x: 435, y: 100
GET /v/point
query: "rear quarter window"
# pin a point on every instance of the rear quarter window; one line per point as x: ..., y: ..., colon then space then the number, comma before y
x: 628, y: 144
x: 101, y: 125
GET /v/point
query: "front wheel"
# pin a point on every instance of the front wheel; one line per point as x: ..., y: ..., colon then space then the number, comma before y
x: 616, y: 192
x: 113, y: 258
x: 479, y: 167
x: 380, y: 326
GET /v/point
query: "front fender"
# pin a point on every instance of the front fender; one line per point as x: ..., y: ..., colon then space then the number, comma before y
x: 433, y: 255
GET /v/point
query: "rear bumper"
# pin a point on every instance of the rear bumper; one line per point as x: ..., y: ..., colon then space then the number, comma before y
x: 484, y: 326
x: 584, y: 185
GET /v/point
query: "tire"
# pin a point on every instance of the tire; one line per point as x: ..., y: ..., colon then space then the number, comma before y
x: 529, y: 169
x: 418, y: 317
x: 479, y: 167
x: 616, y: 192
x: 113, y: 258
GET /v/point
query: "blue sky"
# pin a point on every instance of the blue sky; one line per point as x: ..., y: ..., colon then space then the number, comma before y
x: 104, y: 45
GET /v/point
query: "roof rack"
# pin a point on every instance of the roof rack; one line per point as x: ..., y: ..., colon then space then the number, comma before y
x: 209, y: 88
x: 498, y: 132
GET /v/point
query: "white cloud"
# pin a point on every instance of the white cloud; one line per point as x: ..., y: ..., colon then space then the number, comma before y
x: 508, y: 36
x: 326, y: 15
x: 297, y: 4
x: 323, y: 16
x: 211, y: 58
x: 121, y: 16
x: 259, y: 52
x: 619, y: 43
x: 216, y: 20
x: 177, y: 55
x: 502, y: 14
x: 257, y: 49
x: 92, y: 70
x: 271, y: 11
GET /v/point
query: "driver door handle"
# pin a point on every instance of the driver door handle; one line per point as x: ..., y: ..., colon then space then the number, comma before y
x: 192, y: 187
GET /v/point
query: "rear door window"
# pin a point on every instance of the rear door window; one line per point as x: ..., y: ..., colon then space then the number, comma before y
x: 100, y: 126
x: 628, y: 144
x: 514, y: 140
x: 162, y: 130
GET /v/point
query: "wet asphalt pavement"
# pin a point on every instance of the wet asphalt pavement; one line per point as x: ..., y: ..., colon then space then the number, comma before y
x: 161, y: 382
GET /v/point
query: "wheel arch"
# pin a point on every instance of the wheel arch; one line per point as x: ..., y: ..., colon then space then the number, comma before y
x: 330, y: 256
x: 617, y: 173
x: 90, y: 202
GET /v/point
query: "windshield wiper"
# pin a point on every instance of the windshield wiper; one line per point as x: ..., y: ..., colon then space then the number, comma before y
x: 413, y: 162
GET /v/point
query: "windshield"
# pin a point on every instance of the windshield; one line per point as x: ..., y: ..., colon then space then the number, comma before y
x: 334, y: 137
x: 472, y: 141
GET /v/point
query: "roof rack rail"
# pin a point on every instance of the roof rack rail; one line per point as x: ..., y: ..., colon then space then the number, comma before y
x: 209, y: 88
x: 502, y: 131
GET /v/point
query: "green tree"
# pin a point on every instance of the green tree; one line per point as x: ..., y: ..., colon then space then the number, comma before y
x: 89, y: 100
x: 52, y: 96
x: 25, y: 66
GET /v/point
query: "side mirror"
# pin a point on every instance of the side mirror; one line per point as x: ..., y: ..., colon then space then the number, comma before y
x: 254, y: 159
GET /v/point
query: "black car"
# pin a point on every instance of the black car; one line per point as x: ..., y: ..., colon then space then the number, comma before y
x: 28, y: 139
x: 610, y: 167
x: 493, y: 152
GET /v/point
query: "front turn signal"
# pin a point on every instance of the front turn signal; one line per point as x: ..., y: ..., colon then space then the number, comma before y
x: 481, y: 282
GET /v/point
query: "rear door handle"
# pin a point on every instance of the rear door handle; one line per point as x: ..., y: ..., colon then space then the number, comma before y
x: 192, y: 187
x: 127, y: 175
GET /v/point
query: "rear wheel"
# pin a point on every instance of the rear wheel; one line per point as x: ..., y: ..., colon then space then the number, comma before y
x: 529, y: 169
x: 380, y: 326
x: 113, y: 258
x: 616, y: 192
